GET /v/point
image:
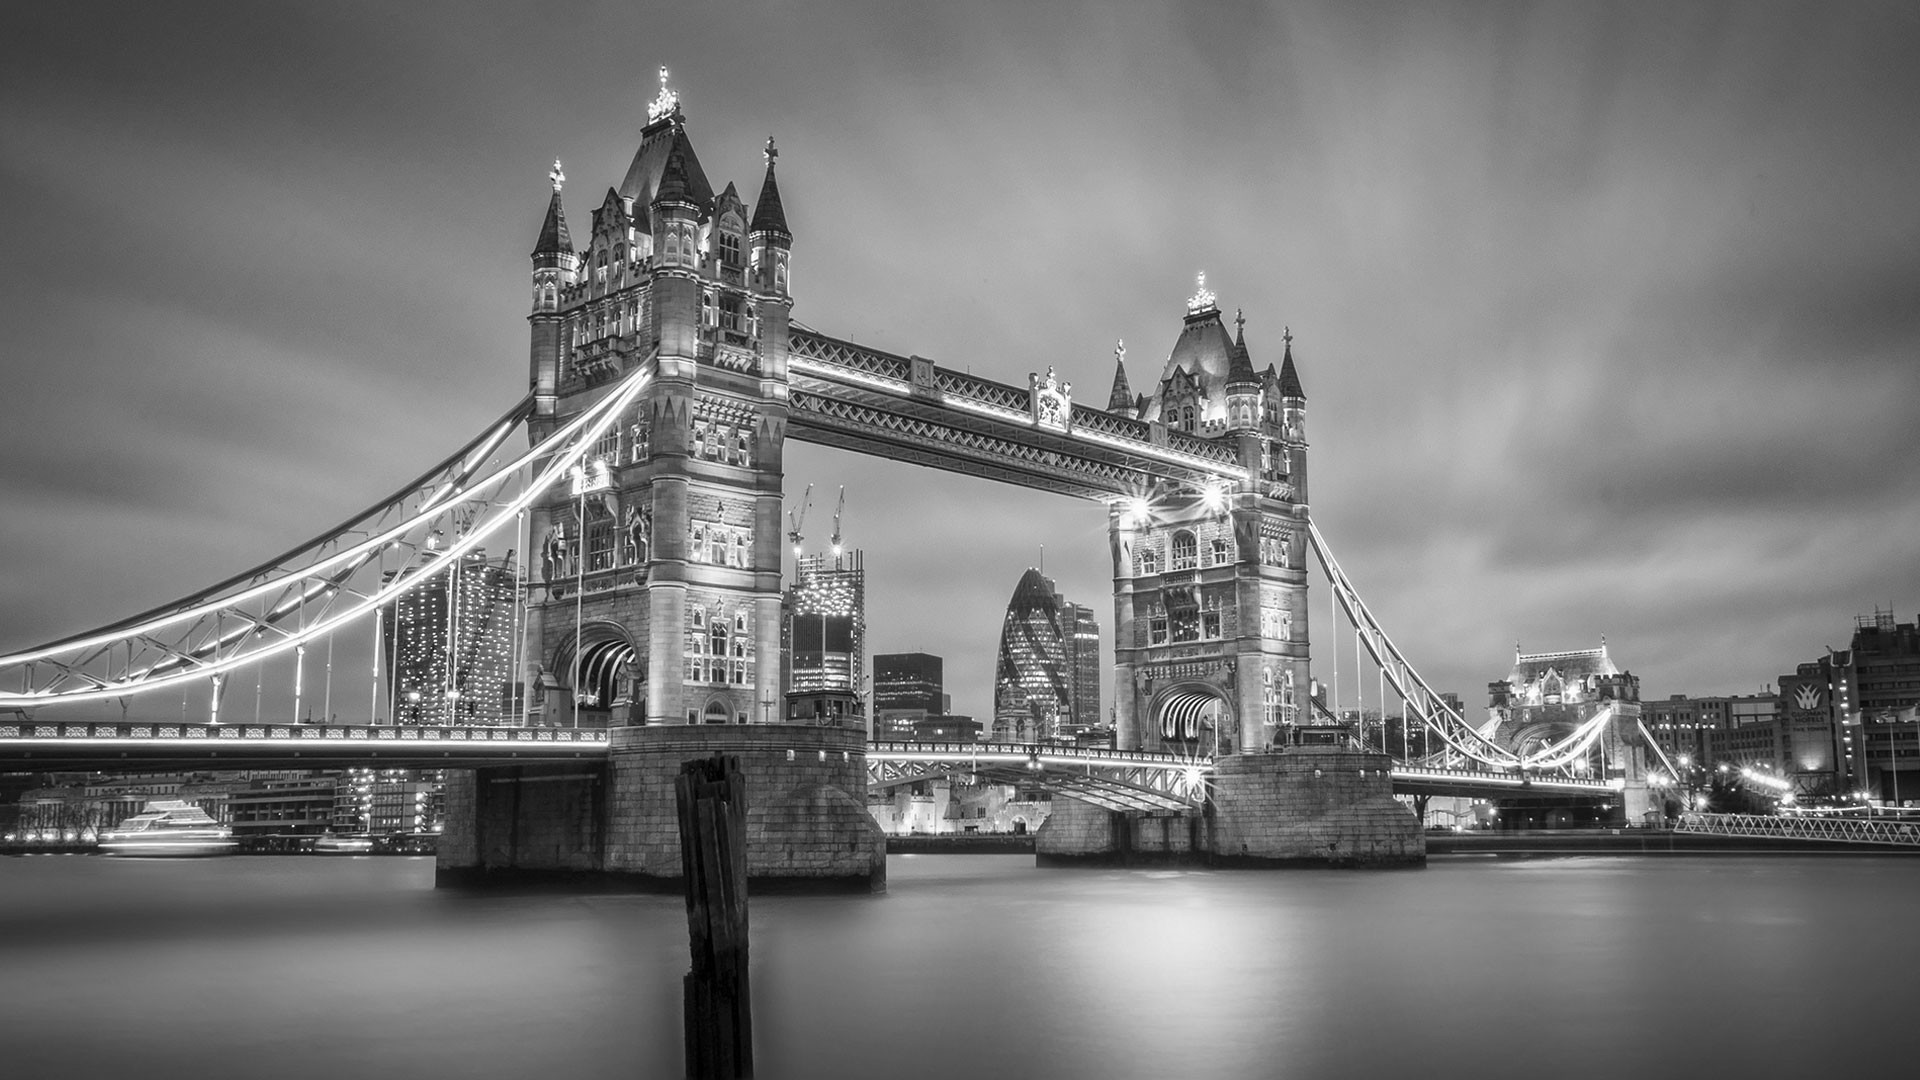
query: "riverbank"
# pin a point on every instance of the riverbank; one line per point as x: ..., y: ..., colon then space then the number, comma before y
x: 1549, y: 843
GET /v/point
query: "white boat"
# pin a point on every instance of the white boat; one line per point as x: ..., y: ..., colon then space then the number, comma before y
x: 169, y: 827
x: 342, y: 844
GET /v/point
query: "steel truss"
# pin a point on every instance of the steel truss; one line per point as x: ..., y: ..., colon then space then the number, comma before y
x: 1830, y: 827
x: 327, y: 583
x: 860, y: 399
x: 1113, y: 779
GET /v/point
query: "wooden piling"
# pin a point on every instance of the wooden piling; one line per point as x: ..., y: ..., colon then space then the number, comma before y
x: 711, y: 797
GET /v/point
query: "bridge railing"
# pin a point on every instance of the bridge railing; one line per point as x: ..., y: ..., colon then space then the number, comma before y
x: 1804, y: 827
x: 1088, y: 754
x: 266, y: 732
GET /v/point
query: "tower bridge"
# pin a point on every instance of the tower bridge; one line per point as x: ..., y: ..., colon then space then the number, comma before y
x: 665, y: 377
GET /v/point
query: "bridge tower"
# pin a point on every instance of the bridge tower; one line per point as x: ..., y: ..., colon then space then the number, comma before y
x: 653, y: 606
x: 1210, y: 587
x: 657, y: 596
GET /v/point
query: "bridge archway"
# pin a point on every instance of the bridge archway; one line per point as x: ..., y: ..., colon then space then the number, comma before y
x: 1189, y: 717
x: 600, y: 662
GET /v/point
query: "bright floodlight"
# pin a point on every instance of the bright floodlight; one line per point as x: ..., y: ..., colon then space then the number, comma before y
x: 1137, y: 510
x: 1214, y: 498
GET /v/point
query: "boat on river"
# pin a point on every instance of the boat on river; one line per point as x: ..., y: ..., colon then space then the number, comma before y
x: 342, y: 844
x: 169, y: 827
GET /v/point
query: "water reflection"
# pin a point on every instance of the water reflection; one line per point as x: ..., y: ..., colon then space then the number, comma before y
x: 969, y: 966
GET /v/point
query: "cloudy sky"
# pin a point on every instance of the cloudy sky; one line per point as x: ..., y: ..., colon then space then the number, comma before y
x: 1608, y: 315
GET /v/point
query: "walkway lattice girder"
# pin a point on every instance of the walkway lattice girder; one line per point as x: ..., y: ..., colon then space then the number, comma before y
x: 860, y: 399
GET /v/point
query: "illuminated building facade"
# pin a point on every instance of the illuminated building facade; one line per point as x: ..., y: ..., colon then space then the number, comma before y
x: 1854, y: 715
x: 1210, y: 586
x: 656, y: 595
x: 1549, y: 696
x: 907, y: 688
x: 449, y: 647
x: 1041, y: 682
x: 1084, y: 669
x: 826, y: 624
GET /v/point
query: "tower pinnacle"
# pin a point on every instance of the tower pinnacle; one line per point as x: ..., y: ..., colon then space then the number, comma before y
x: 557, y: 176
x: 1202, y: 301
x: 667, y: 103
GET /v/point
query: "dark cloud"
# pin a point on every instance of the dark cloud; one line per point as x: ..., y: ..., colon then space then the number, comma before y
x: 1604, y: 314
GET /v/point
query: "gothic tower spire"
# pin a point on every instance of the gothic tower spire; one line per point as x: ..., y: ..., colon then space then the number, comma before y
x: 1120, y: 401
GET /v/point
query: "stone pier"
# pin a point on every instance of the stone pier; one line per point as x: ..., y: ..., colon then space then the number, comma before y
x: 616, y: 826
x: 1306, y: 806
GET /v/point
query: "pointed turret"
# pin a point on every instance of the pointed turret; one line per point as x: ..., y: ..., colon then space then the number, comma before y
x: 1289, y: 378
x: 772, y: 243
x: 1121, y: 399
x: 768, y: 215
x: 1240, y: 374
x: 554, y: 238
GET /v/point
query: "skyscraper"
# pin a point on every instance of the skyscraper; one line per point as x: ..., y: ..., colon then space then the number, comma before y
x: 907, y: 688
x: 449, y: 646
x: 1047, y: 678
x: 826, y: 615
x: 1083, y: 665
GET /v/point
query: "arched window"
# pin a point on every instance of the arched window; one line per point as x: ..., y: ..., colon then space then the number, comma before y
x: 717, y: 712
x: 698, y: 550
x: 1186, y: 552
x: 717, y: 642
x: 1186, y: 418
x: 742, y: 448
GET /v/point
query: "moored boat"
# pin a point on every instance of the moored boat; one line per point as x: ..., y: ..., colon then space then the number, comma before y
x: 343, y: 844
x: 169, y: 827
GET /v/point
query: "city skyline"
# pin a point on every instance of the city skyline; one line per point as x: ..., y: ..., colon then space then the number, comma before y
x: 1602, y: 316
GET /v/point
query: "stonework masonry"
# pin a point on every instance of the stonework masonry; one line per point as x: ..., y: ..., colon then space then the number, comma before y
x: 1304, y: 807
x: 617, y: 826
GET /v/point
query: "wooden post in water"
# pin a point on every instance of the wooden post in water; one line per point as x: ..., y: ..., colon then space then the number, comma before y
x: 712, y: 799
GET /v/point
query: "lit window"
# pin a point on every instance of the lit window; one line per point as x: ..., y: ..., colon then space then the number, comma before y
x: 1219, y: 551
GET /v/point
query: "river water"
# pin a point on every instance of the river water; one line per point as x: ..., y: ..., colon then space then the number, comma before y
x: 976, y: 966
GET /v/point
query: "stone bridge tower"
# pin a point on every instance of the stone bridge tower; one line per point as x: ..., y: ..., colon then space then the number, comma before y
x: 653, y: 605
x: 1210, y: 587
x: 656, y: 593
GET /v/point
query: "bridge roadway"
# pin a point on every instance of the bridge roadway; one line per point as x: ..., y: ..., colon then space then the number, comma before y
x: 1116, y: 779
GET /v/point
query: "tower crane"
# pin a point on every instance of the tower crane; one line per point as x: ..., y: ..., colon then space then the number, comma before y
x: 797, y: 518
x: 837, y: 511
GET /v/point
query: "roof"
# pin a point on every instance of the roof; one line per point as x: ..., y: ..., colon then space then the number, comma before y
x: 554, y: 237
x: 1203, y: 353
x: 768, y: 215
x: 1577, y: 664
x: 659, y: 142
x: 1121, y: 399
x: 1289, y: 378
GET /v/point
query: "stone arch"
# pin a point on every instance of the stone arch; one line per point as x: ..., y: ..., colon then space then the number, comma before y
x: 1192, y: 717
x: 718, y: 710
x: 596, y: 662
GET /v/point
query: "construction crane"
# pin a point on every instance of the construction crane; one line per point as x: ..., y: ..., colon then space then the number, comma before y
x: 797, y: 518
x: 837, y: 511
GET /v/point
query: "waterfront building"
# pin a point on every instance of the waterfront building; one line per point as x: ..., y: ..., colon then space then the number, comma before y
x: 449, y: 647
x: 1856, y: 713
x: 286, y: 805
x: 1702, y: 728
x: 1035, y: 677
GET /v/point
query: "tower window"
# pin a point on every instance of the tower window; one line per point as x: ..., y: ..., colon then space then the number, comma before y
x: 1218, y: 551
x: 1186, y: 552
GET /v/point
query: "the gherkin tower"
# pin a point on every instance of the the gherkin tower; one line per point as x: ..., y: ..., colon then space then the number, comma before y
x: 1038, y: 692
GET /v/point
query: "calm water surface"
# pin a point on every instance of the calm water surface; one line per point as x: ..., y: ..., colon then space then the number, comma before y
x: 976, y: 966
